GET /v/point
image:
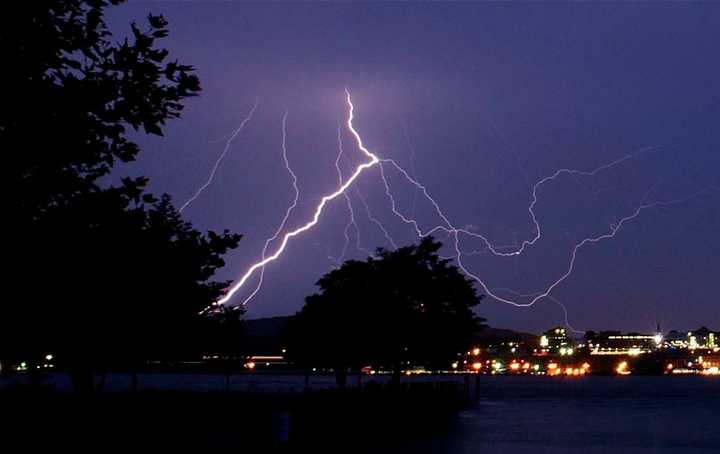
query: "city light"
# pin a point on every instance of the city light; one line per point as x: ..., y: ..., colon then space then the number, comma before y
x: 622, y: 369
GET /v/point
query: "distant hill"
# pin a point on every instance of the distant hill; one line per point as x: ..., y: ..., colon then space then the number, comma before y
x: 492, y: 335
x: 265, y: 335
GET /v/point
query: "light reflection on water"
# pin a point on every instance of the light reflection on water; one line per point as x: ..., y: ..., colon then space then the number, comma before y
x: 593, y: 415
x: 526, y: 414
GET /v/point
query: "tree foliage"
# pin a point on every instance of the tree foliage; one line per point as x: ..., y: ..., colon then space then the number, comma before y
x: 72, y: 94
x: 401, y: 307
x: 95, y: 270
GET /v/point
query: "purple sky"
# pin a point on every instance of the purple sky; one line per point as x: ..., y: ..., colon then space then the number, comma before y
x: 488, y: 98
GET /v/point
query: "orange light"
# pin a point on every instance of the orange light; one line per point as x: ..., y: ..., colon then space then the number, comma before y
x: 250, y: 365
x: 477, y: 366
x: 586, y: 366
x: 476, y: 351
x: 670, y: 366
x: 514, y: 366
x: 622, y: 368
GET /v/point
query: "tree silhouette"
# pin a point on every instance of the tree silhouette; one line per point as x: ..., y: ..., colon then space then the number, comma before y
x: 225, y: 326
x: 99, y: 273
x: 401, y: 308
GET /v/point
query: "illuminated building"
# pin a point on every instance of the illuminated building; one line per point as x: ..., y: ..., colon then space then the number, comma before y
x: 556, y: 341
x: 676, y: 340
x: 702, y: 339
x: 622, y: 368
x: 699, y: 339
x: 616, y: 343
x: 266, y: 360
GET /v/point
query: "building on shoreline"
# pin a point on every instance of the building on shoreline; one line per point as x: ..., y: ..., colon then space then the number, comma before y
x: 615, y: 343
x: 556, y: 341
x: 699, y: 339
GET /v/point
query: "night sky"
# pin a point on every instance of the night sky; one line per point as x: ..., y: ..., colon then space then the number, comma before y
x: 479, y: 101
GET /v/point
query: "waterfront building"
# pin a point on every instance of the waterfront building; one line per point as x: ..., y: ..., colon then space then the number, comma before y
x: 631, y: 344
x: 556, y: 342
x: 699, y: 339
x: 702, y: 339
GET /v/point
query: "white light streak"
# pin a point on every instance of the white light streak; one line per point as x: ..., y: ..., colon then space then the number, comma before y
x: 318, y: 210
x: 220, y: 158
x: 446, y: 225
x: 289, y: 210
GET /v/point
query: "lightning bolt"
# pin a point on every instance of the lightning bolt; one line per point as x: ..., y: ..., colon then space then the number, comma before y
x: 374, y: 220
x: 565, y: 315
x: 373, y: 160
x: 293, y: 205
x: 447, y: 226
x: 360, y: 196
x: 455, y: 232
x: 215, y: 167
x: 351, y: 211
x: 413, y: 170
x: 550, y: 298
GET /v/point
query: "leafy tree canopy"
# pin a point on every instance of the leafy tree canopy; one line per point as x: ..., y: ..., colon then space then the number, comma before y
x: 94, y: 270
x: 72, y: 93
x: 403, y: 306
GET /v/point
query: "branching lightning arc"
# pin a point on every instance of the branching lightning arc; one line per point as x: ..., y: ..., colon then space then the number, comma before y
x: 318, y: 210
x: 228, y: 142
x: 351, y: 211
x: 446, y: 226
x: 288, y: 212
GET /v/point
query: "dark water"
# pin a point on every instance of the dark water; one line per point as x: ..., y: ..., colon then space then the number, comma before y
x: 530, y: 414
x: 591, y: 415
